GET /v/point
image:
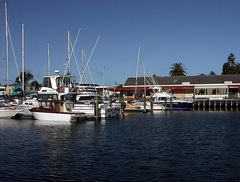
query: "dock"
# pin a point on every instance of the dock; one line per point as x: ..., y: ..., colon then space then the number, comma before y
x: 216, y: 104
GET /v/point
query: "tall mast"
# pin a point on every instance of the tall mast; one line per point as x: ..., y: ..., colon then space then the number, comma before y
x: 48, y: 56
x: 144, y: 77
x: 82, y: 78
x: 6, y: 37
x: 23, y: 58
x: 69, y: 53
x: 137, y: 70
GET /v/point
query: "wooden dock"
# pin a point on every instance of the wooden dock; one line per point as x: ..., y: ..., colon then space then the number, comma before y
x: 216, y: 105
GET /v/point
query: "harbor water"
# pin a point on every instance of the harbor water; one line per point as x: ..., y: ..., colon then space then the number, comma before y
x: 163, y: 146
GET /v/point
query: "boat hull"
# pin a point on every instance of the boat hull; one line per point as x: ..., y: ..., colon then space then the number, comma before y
x: 55, y: 116
x: 182, y: 106
x: 104, y: 111
x: 9, y: 113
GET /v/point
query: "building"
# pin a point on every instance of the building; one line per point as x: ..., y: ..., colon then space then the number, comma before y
x: 16, y: 89
x: 198, y: 87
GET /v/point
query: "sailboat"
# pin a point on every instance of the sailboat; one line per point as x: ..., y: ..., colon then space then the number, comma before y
x: 141, y: 104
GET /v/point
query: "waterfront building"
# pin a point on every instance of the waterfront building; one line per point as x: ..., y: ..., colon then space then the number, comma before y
x: 17, y: 89
x: 195, y: 87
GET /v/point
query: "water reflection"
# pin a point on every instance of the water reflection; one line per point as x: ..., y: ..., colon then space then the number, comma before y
x: 164, y: 146
x: 49, y: 123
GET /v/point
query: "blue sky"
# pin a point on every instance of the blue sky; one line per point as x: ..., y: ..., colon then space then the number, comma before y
x: 198, y: 33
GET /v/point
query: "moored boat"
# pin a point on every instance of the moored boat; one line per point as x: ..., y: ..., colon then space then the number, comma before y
x: 7, y: 111
x: 55, y: 111
x: 91, y: 104
x: 26, y: 106
x: 169, y: 101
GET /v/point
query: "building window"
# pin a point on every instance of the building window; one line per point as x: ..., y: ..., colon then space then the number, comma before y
x: 211, y: 91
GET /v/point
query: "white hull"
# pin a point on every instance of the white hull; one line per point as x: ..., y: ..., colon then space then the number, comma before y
x: 26, y: 112
x: 8, y: 113
x: 140, y: 106
x: 110, y: 112
x: 55, y: 116
x: 104, y: 111
x: 27, y: 105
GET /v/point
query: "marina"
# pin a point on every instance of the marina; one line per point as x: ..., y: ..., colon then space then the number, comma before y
x: 119, y: 127
x: 75, y: 107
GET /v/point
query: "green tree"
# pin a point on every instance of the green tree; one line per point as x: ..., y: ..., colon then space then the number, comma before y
x: 237, y: 69
x: 27, y: 77
x: 177, y: 69
x: 35, y: 84
x: 230, y: 66
x: 212, y: 73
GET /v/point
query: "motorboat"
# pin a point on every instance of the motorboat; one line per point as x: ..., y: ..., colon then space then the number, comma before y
x: 55, y: 110
x: 168, y: 100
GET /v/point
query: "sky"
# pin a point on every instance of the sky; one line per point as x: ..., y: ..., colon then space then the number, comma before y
x: 198, y: 33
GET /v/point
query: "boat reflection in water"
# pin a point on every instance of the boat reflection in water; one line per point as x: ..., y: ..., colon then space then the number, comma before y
x: 50, y: 123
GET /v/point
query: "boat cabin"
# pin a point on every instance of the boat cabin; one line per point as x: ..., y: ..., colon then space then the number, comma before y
x: 54, y: 86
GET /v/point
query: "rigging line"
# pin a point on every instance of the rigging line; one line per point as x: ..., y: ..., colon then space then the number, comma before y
x: 89, y: 69
x: 82, y: 75
x: 68, y: 59
x: 90, y: 55
x: 75, y: 60
x: 148, y: 79
x: 14, y: 55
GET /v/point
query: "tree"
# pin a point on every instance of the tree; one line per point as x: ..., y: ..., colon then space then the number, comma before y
x: 237, y: 69
x: 177, y: 69
x: 212, y: 73
x: 230, y: 66
x: 27, y: 77
x: 35, y: 84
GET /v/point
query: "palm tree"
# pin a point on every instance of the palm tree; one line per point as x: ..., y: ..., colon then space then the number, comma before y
x: 177, y: 69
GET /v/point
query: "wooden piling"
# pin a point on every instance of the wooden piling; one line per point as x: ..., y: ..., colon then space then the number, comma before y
x: 96, y: 110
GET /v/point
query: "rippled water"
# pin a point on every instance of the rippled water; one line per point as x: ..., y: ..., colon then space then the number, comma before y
x: 166, y: 146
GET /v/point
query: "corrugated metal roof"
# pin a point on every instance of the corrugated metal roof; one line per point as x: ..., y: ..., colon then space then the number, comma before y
x: 172, y: 80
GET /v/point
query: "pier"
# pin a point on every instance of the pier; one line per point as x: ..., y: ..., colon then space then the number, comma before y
x: 216, y: 104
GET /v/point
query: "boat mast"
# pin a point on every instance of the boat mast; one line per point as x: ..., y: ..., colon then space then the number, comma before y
x: 68, y: 51
x: 82, y: 73
x: 144, y: 76
x: 23, y: 59
x: 6, y: 37
x: 48, y: 57
x: 137, y: 70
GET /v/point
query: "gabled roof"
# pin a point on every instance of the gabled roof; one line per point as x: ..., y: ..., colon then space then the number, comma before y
x: 176, y: 80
